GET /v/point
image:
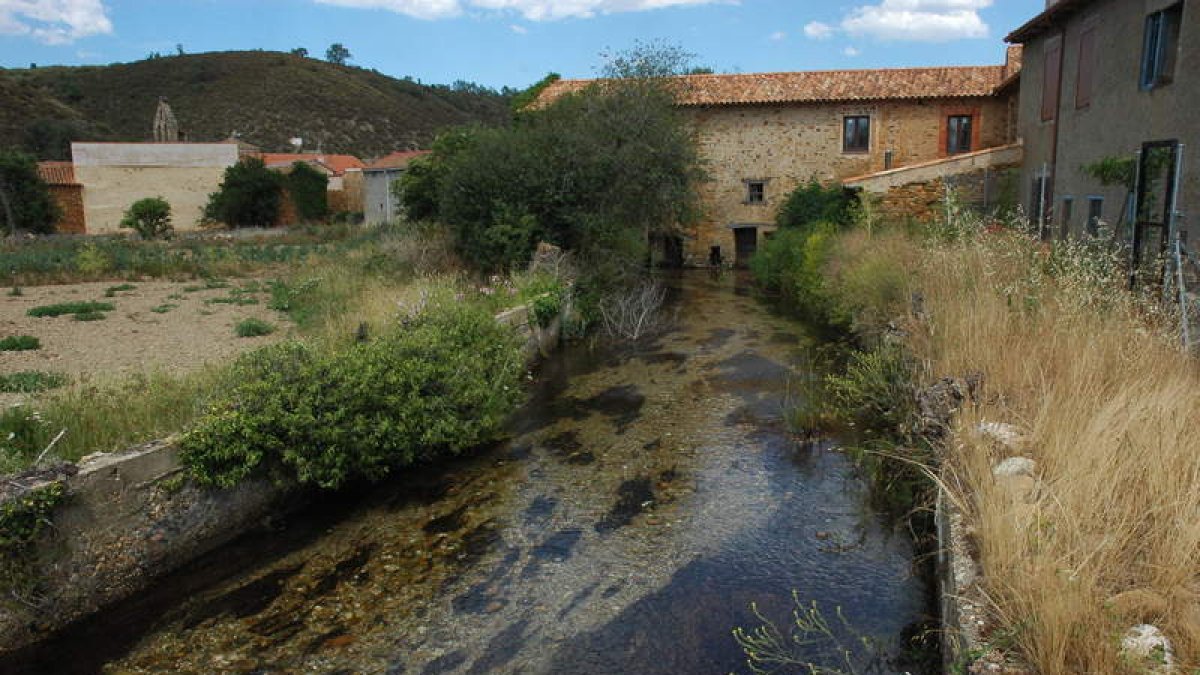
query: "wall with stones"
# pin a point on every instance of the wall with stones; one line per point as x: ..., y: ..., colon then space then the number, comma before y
x: 70, y: 204
x: 786, y: 145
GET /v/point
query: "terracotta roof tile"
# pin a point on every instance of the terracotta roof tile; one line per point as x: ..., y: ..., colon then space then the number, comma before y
x: 339, y: 164
x: 396, y: 160
x: 821, y: 86
x: 57, y: 173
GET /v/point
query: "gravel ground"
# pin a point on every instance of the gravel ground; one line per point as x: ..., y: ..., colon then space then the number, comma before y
x: 133, y: 338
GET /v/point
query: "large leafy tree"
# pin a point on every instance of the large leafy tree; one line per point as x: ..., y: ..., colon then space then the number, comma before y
x: 309, y: 189
x: 596, y: 172
x: 337, y: 53
x: 249, y: 196
x: 25, y: 200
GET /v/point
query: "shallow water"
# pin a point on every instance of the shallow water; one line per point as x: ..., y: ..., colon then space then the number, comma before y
x: 646, y: 498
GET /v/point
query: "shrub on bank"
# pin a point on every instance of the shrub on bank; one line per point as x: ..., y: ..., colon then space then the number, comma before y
x: 444, y: 382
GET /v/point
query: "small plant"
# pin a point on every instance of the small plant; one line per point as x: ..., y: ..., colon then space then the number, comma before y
x: 150, y: 218
x: 111, y: 291
x: 545, y: 308
x: 20, y: 343
x: 92, y: 261
x: 30, y: 382
x: 62, y: 308
x: 90, y: 316
x: 22, y: 522
x: 175, y: 296
x: 239, y: 300
x: 253, y: 328
x: 163, y: 309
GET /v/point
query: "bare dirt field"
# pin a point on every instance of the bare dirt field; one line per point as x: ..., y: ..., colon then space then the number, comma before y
x: 191, y: 327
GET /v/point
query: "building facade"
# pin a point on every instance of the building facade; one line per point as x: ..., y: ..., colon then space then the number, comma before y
x: 379, y: 202
x: 762, y: 135
x: 1102, y: 78
x: 115, y: 175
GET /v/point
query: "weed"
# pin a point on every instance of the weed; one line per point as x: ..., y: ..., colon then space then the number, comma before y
x: 90, y: 316
x: 239, y: 300
x: 175, y: 296
x: 113, y: 290
x: 31, y: 382
x: 19, y: 343
x: 253, y: 328
x: 163, y: 309
x: 69, y: 308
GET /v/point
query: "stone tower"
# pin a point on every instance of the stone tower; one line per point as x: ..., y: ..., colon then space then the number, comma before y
x: 166, y: 129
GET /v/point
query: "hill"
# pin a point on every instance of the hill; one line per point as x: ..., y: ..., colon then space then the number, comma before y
x: 266, y: 97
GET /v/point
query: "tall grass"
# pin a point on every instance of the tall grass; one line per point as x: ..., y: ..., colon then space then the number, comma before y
x: 1109, y: 534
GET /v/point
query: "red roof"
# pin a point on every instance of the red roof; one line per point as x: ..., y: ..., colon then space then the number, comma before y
x: 396, y: 160
x: 57, y: 173
x: 821, y: 86
x: 339, y: 164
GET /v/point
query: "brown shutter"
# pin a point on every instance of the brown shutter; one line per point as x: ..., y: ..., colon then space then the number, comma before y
x: 1087, y: 59
x: 1051, y: 71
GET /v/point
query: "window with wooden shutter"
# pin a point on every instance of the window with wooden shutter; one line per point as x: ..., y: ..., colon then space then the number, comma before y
x: 1087, y: 67
x: 1051, y: 72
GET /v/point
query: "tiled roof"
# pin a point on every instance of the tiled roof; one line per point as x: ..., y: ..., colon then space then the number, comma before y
x: 821, y: 86
x: 396, y: 160
x: 1048, y: 19
x: 339, y: 164
x: 57, y: 173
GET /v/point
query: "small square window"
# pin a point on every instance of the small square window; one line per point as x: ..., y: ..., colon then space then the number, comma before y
x: 1095, y: 215
x: 958, y: 134
x: 756, y: 191
x: 856, y: 133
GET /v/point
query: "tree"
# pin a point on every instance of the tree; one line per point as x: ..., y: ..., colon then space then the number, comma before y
x: 249, y: 196
x: 150, y: 218
x: 25, y: 200
x: 337, y: 53
x: 49, y: 138
x: 301, y: 52
x: 309, y: 189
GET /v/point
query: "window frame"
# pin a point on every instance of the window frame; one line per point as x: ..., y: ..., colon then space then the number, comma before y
x: 952, y: 139
x: 1095, y: 214
x: 1160, y: 45
x: 1085, y: 68
x: 751, y: 184
x: 1065, y: 214
x: 1051, y: 79
x: 846, y: 124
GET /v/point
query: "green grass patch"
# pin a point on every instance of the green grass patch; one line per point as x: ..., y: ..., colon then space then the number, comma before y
x: 175, y: 296
x: 20, y: 343
x: 121, y: 288
x: 69, y: 308
x: 90, y: 316
x: 239, y: 300
x: 163, y: 309
x: 253, y: 328
x: 31, y: 382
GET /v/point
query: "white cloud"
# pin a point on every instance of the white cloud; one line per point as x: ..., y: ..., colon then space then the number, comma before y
x: 851, y: 51
x: 919, y: 20
x: 54, y: 22
x: 817, y: 30
x: 518, y: 29
x: 778, y: 36
x: 532, y: 10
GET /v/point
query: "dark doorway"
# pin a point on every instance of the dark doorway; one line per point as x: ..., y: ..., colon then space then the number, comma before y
x: 745, y: 241
x: 672, y: 252
x: 1154, y: 224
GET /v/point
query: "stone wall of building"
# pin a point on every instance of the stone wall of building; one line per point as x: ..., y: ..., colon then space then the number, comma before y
x: 70, y: 205
x: 786, y: 145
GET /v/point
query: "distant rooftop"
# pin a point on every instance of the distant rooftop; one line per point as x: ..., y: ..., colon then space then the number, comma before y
x: 338, y: 164
x: 57, y: 173
x: 396, y: 160
x: 822, y: 86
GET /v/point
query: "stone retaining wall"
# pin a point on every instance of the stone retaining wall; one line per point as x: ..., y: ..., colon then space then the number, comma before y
x: 131, y: 517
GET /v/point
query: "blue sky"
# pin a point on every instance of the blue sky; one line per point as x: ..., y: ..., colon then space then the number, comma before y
x: 515, y: 42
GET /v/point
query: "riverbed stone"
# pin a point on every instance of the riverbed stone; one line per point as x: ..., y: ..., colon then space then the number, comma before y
x: 1008, y: 436
x: 1147, y: 645
x: 1015, y: 466
x: 938, y: 403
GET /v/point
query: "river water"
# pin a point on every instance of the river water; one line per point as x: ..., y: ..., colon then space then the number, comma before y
x: 646, y: 498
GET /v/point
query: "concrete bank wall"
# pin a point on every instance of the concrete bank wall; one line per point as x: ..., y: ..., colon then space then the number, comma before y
x: 131, y: 517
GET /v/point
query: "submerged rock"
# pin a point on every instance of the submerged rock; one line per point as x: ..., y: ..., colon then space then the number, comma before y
x: 1146, y: 644
x: 1015, y: 466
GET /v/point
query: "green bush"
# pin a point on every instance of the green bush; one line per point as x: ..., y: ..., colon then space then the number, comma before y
x: 25, y: 195
x: 249, y: 196
x: 814, y: 203
x: 876, y: 394
x: 89, y: 316
x: 792, y: 262
x: 253, y: 328
x: 441, y: 384
x: 112, y: 291
x: 309, y: 189
x: 546, y: 308
x: 69, y: 308
x: 150, y: 218
x: 20, y: 343
x: 31, y: 382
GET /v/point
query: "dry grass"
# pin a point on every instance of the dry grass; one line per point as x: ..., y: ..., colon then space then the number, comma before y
x: 1108, y: 535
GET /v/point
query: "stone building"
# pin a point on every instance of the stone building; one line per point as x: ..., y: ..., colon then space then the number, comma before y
x: 1103, y: 78
x: 67, y: 194
x: 379, y: 204
x: 115, y: 175
x: 762, y: 135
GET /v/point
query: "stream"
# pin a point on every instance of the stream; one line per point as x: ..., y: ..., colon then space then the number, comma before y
x: 646, y: 497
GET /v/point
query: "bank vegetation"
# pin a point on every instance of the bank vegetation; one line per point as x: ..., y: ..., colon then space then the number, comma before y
x: 1068, y: 369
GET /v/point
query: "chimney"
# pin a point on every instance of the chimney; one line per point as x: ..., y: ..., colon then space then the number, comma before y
x: 1012, y: 60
